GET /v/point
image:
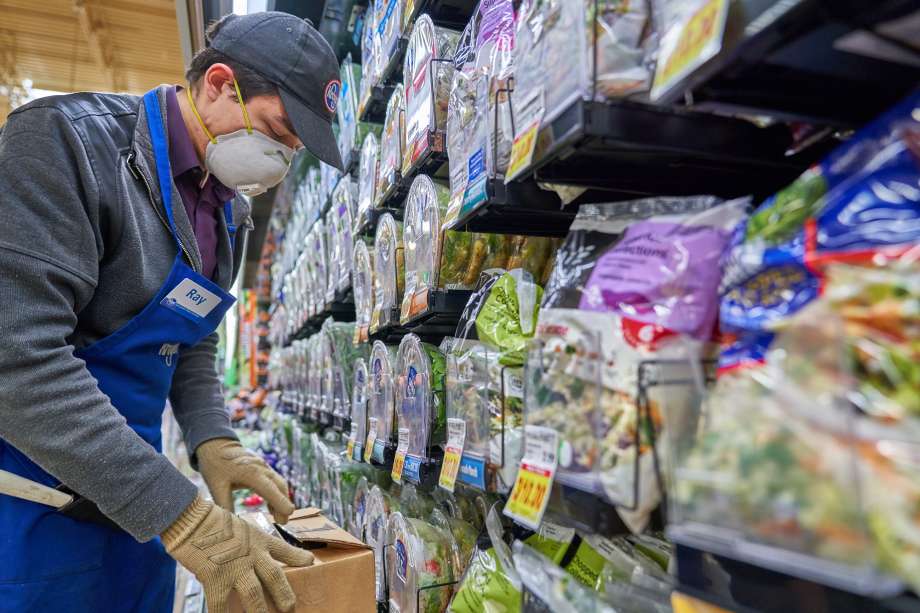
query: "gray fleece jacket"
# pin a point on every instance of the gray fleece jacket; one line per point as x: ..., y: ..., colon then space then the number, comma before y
x: 84, y: 247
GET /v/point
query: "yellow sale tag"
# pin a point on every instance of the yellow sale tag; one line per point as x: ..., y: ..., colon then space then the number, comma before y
x: 453, y: 452
x: 682, y: 603
x: 686, y: 48
x: 531, y: 490
x: 400, y: 460
x: 530, y: 495
x: 350, y: 449
x: 371, y: 439
x: 522, y: 151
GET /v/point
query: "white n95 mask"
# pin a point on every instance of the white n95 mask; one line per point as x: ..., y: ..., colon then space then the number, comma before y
x: 246, y: 160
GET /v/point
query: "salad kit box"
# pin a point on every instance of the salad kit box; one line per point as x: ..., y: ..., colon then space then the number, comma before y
x: 337, y: 554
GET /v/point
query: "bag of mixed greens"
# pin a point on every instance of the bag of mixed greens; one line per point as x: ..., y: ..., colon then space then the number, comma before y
x: 420, y: 402
x: 632, y: 283
x: 333, y: 257
x: 348, y: 108
x: 377, y: 516
x: 463, y: 533
x: 392, y: 145
x: 389, y: 270
x: 344, y: 206
x: 359, y: 508
x: 427, y: 75
x: 851, y: 207
x: 359, y: 393
x: 370, y: 57
x: 420, y: 556
x: 389, y: 28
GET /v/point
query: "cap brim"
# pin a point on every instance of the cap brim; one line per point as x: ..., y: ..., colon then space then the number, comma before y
x: 314, y: 131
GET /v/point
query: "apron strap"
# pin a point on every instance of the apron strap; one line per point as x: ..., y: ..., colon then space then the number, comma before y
x: 231, y: 228
x: 161, y: 156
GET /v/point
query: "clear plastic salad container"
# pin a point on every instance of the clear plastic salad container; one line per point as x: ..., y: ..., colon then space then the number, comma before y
x: 381, y: 395
x: 347, y: 111
x: 344, y: 207
x: 359, y: 508
x: 464, y: 537
x: 376, y: 528
x: 392, y: 145
x: 389, y: 269
x: 359, y: 403
x: 427, y: 74
x: 370, y: 58
x: 367, y: 180
x: 333, y: 259
x: 422, y: 237
x: 389, y: 27
x: 363, y: 288
x: 420, y: 563
x: 420, y: 402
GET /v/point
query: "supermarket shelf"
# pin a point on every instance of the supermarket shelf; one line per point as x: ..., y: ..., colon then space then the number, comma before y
x: 432, y: 164
x: 341, y: 424
x: 376, y: 109
x: 784, y: 59
x: 517, y: 208
x: 340, y: 309
x: 433, y: 159
x: 392, y: 73
x: 753, y: 589
x: 428, y: 470
x: 395, y: 196
x: 351, y: 161
x: 446, y: 13
x: 442, y: 315
x: 584, y: 511
x: 389, y: 330
x: 863, y: 581
x: 637, y: 150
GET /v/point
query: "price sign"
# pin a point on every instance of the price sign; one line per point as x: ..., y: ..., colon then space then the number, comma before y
x: 687, y: 46
x: 371, y: 438
x: 525, y: 143
x: 681, y: 603
x: 399, y: 461
x: 453, y: 452
x: 531, y: 490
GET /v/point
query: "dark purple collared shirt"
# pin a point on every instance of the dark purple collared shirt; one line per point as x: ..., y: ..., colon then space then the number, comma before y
x: 201, y: 202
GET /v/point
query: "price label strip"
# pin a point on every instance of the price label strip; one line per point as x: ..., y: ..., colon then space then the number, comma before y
x: 681, y: 603
x: 685, y: 47
x: 371, y: 439
x: 531, y: 490
x: 399, y: 461
x: 453, y: 452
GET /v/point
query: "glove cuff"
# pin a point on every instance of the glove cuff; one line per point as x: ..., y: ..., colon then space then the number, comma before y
x: 186, y: 523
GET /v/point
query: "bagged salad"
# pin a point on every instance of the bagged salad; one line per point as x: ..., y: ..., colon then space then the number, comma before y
x: 359, y: 395
x: 376, y: 529
x: 427, y: 73
x: 420, y: 402
x: 389, y: 271
x: 392, y: 146
x: 363, y: 289
x: 344, y: 207
x: 333, y: 257
x: 555, y: 50
x: 632, y: 283
x: 370, y: 58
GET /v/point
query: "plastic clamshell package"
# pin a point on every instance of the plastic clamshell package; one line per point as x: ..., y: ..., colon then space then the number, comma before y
x: 427, y: 74
x: 347, y: 110
x: 381, y: 395
x: 359, y: 401
x: 367, y: 180
x: 389, y: 266
x: 363, y: 285
x: 419, y: 556
x: 344, y: 208
x: 392, y: 143
x: 376, y: 529
x: 333, y: 258
x: 420, y: 404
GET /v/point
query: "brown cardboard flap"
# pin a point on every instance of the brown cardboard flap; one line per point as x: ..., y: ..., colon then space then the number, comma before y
x: 308, y: 526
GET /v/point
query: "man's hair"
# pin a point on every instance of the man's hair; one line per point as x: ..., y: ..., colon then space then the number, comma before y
x: 251, y: 82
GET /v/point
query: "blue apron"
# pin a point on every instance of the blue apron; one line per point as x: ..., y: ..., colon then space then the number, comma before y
x: 50, y: 562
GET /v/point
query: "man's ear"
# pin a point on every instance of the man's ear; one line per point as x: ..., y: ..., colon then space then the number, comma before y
x: 217, y: 80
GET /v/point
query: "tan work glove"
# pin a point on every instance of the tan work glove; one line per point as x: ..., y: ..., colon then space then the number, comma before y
x: 228, y: 553
x: 227, y: 466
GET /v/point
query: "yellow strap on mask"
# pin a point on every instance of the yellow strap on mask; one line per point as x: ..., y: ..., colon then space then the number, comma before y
x: 239, y: 95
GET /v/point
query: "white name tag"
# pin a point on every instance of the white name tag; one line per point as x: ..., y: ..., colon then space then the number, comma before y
x: 191, y: 297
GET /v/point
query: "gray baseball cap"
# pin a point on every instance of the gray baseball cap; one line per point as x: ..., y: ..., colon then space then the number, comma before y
x: 289, y: 52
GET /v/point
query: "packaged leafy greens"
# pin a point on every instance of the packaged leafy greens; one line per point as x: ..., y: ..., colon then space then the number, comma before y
x: 367, y: 180
x: 344, y: 207
x: 389, y: 28
x: 463, y: 533
x: 389, y: 270
x: 359, y: 508
x: 359, y: 395
x: 370, y: 57
x: 420, y: 402
x: 420, y: 556
x: 632, y: 283
x: 381, y: 390
x: 435, y: 259
x: 427, y: 74
x: 333, y: 259
x: 320, y: 267
x: 347, y: 111
x: 363, y: 289
x: 376, y: 528
x: 555, y: 51
x: 392, y: 145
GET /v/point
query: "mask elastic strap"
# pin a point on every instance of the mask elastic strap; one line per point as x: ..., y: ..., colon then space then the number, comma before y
x: 188, y: 92
x: 239, y: 97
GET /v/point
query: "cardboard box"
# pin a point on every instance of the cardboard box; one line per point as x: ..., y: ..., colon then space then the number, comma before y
x: 341, y: 579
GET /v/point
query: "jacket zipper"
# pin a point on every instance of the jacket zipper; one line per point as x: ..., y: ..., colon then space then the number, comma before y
x: 138, y: 175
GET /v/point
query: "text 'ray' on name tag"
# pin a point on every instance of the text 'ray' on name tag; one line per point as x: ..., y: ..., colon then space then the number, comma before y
x: 192, y: 298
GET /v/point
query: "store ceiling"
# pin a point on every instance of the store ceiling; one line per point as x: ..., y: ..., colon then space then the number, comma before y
x: 96, y: 45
